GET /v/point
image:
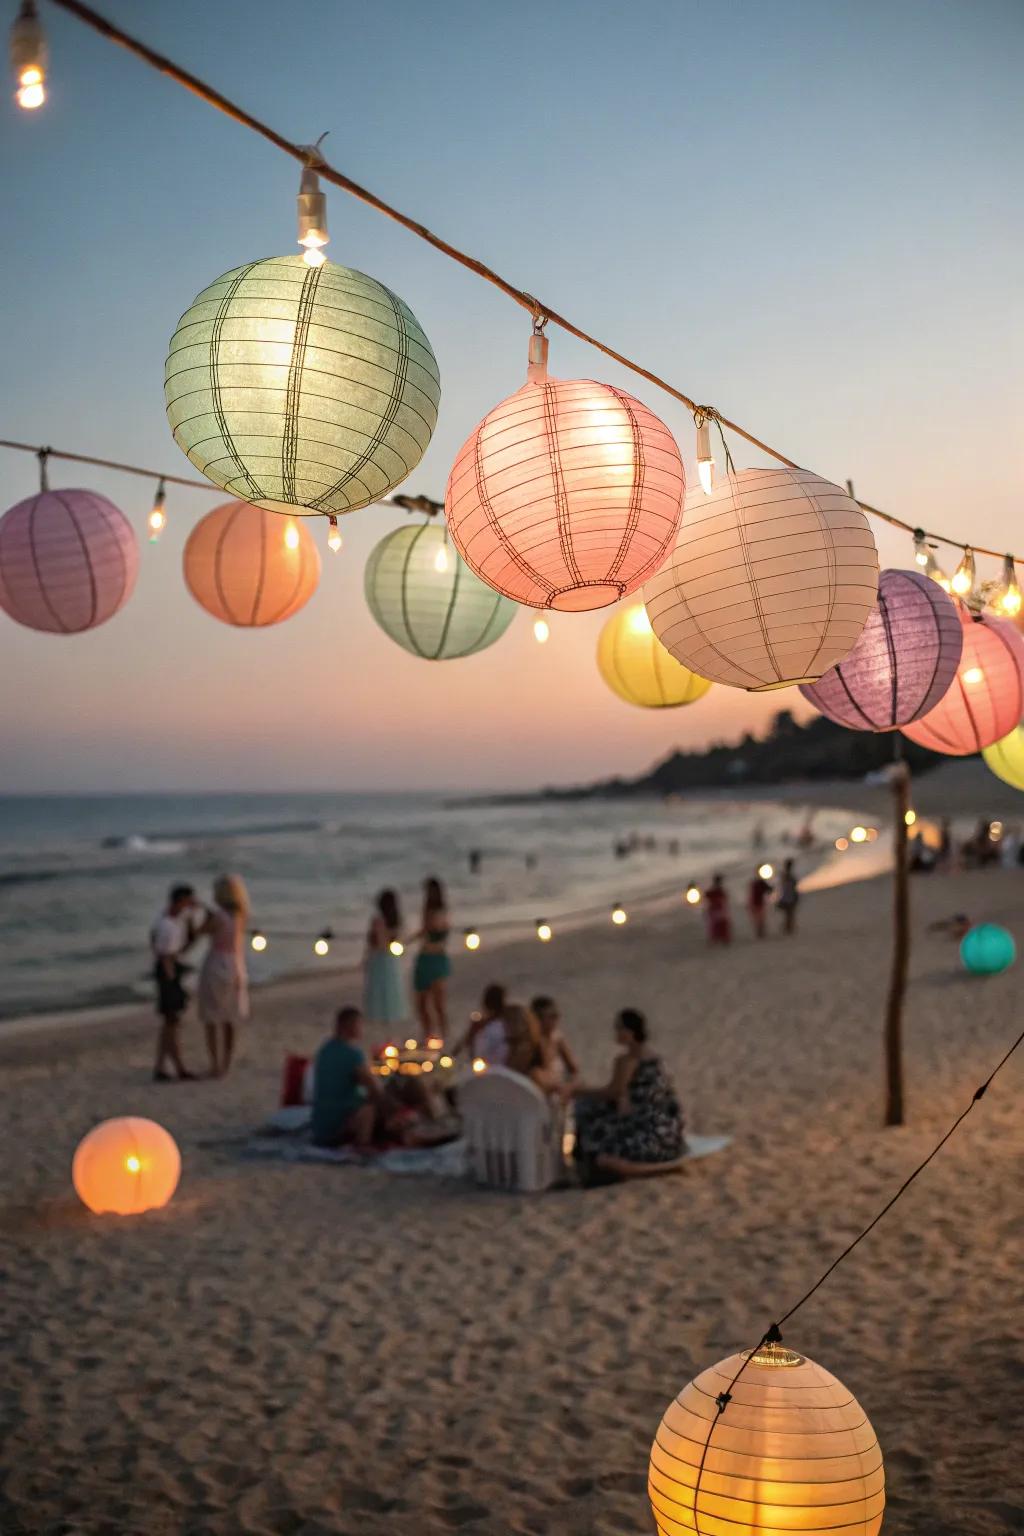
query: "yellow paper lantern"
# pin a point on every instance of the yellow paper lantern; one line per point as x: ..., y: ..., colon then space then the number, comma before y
x: 126, y: 1166
x: 1006, y: 758
x: 793, y: 1451
x: 636, y: 666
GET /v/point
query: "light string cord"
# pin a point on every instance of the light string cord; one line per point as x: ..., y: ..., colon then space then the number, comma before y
x: 299, y: 152
x: 773, y: 1334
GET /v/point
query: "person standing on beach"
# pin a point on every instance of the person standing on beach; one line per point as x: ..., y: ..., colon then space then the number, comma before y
x: 433, y: 966
x: 788, y: 897
x: 223, y: 991
x: 757, y: 903
x: 169, y: 938
x: 716, y: 912
x: 383, y: 1001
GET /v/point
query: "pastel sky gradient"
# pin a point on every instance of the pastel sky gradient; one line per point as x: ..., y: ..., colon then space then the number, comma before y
x: 806, y: 212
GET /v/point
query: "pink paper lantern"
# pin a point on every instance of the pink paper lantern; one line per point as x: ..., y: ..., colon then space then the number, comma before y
x: 568, y: 494
x: 68, y: 561
x: 904, y: 661
x: 985, y: 700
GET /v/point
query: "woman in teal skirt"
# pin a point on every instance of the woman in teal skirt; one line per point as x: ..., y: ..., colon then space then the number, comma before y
x: 433, y: 967
x: 383, y: 998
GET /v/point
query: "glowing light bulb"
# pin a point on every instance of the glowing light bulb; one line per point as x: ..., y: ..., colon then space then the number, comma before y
x: 258, y: 942
x: 441, y: 559
x: 619, y: 915
x: 544, y: 932
x: 541, y: 631
x: 28, y: 53
x: 321, y: 947
x: 312, y: 209
x: 842, y: 844
x: 963, y: 577
x: 333, y: 535
x: 133, y: 1164
x: 428, y: 1066
x: 434, y: 1044
x: 1008, y: 598
x: 410, y: 1045
x: 859, y: 835
x: 397, y: 947
x: 158, y: 517
x: 313, y: 257
x: 639, y: 623
x: 391, y: 1050
x: 472, y: 939
x: 479, y: 1065
x: 692, y: 895
x: 766, y: 871
x: 446, y: 1061
x: 910, y: 817
x: 705, y: 462
x: 972, y: 675
x: 291, y: 536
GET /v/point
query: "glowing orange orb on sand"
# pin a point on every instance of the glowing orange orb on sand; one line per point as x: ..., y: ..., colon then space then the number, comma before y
x: 126, y: 1166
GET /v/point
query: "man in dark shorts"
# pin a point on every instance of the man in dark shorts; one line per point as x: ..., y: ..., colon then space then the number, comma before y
x: 169, y: 938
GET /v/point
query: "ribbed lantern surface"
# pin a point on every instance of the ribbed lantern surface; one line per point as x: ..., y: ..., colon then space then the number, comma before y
x: 793, y: 1452
x: 428, y: 600
x: 567, y: 495
x: 249, y: 567
x: 903, y: 662
x: 636, y: 666
x: 68, y: 561
x: 126, y: 1166
x: 1006, y: 758
x: 985, y: 700
x: 771, y: 581
x: 305, y: 389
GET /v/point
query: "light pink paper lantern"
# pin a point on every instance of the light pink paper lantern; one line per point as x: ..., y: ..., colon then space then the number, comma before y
x: 568, y: 494
x: 985, y: 700
x: 68, y: 561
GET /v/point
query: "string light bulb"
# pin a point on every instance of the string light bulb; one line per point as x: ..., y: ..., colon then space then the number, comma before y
x: 322, y: 943
x: 472, y: 939
x: 479, y: 1065
x: 397, y: 948
x: 962, y: 584
x: 924, y: 558
x: 909, y: 817
x: 313, y: 234
x: 258, y: 942
x: 291, y: 536
x: 28, y: 54
x: 158, y: 517
x: 1007, y: 598
x: 541, y: 631
x: 693, y: 894
x: 333, y: 534
x: 766, y: 871
x: 705, y: 461
x: 543, y: 931
x: 619, y: 914
x: 441, y: 560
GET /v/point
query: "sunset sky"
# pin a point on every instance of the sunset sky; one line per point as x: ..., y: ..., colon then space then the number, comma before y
x: 808, y: 214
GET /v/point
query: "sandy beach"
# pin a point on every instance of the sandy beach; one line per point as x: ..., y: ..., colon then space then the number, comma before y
x: 305, y: 1349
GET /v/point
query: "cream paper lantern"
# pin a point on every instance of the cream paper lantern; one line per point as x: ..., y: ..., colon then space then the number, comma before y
x: 771, y: 581
x: 301, y: 389
x: 793, y: 1451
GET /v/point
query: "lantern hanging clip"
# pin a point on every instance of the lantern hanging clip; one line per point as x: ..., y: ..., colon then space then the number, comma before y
x: 537, y: 356
x: 43, y: 455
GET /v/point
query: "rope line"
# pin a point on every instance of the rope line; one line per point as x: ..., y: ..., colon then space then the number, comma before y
x: 542, y: 313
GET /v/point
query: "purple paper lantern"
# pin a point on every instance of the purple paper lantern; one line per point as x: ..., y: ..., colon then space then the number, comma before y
x: 68, y: 561
x: 904, y: 661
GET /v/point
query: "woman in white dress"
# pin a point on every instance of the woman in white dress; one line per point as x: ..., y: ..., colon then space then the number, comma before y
x: 223, y: 990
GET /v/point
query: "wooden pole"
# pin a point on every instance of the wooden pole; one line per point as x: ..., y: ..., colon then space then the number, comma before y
x: 900, y: 949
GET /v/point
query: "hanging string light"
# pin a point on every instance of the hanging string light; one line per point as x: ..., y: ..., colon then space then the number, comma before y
x: 313, y: 234
x: 1006, y: 598
x: 157, y: 520
x: 619, y: 914
x: 333, y: 535
x: 926, y: 560
x: 258, y: 941
x: 705, y: 459
x: 472, y: 939
x: 693, y: 894
x: 397, y: 948
x: 541, y: 631
x: 29, y: 54
x: 543, y: 931
x: 964, y: 576
x: 322, y: 944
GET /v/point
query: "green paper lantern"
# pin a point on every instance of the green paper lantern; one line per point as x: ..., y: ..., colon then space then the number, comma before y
x: 426, y: 599
x: 301, y: 389
x: 987, y: 950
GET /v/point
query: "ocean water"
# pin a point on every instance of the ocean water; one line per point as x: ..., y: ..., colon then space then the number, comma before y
x: 81, y: 878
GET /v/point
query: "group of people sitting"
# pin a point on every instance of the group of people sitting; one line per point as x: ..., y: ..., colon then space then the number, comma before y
x: 628, y: 1126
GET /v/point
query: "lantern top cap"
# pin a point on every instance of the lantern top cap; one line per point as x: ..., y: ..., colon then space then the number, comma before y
x: 775, y: 1356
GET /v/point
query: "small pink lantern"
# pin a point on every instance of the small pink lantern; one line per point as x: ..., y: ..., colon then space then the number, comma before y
x: 68, y: 561
x: 985, y: 700
x: 568, y: 494
x: 902, y: 664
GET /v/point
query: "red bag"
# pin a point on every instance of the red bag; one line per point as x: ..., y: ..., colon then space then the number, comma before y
x: 292, y: 1079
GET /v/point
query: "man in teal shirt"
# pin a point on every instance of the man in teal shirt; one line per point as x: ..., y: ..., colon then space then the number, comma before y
x: 346, y: 1096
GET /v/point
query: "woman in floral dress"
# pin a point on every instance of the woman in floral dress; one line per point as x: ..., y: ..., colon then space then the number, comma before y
x: 634, y: 1124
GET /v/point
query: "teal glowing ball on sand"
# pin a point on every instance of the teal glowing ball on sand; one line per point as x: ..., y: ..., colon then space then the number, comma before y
x: 987, y: 950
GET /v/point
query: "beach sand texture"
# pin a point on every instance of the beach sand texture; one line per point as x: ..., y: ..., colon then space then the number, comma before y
x: 303, y: 1350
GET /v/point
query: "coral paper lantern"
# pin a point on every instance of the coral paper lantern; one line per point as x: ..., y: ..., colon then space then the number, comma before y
x: 126, y: 1166
x: 793, y: 1451
x: 249, y: 567
x: 985, y: 700
x: 298, y: 388
x: 904, y: 661
x: 771, y: 581
x: 428, y: 600
x: 636, y: 666
x: 568, y: 493
x: 1006, y: 758
x: 68, y: 561
x: 987, y: 950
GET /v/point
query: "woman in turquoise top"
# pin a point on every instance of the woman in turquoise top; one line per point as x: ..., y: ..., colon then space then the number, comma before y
x: 433, y: 967
x: 383, y: 1001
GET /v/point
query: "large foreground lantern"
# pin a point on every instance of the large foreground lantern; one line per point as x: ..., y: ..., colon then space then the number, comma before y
x: 792, y: 1452
x: 771, y: 581
x: 1006, y: 758
x: 568, y: 493
x: 428, y: 600
x: 985, y: 700
x: 249, y: 567
x: 636, y: 666
x: 126, y: 1166
x: 68, y: 561
x: 301, y: 388
x: 903, y: 662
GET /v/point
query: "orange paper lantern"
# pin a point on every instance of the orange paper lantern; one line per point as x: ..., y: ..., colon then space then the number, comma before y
x: 568, y: 494
x: 126, y: 1166
x: 250, y: 567
x: 985, y: 700
x: 793, y: 1451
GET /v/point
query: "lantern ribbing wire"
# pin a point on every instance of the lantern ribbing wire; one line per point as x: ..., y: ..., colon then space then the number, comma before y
x: 542, y: 313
